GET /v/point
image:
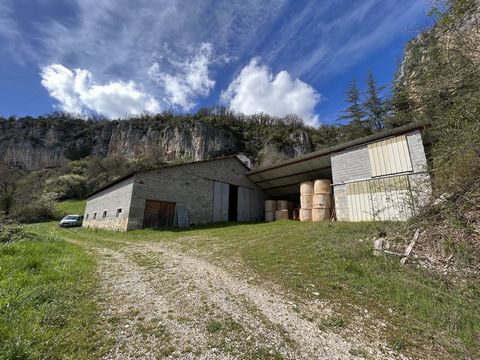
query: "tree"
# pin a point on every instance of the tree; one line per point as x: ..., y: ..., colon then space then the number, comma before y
x: 357, y: 126
x: 9, y: 183
x: 375, y: 107
x: 354, y: 112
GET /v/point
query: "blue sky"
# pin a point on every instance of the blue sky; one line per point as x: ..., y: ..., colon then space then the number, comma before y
x: 121, y: 57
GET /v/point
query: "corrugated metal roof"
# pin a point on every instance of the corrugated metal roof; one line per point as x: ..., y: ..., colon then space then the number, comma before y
x: 281, y: 180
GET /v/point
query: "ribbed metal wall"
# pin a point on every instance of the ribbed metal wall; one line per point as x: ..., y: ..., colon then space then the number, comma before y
x: 380, y: 199
x: 390, y: 156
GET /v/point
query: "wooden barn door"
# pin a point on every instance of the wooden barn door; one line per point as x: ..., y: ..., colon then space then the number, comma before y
x: 158, y: 214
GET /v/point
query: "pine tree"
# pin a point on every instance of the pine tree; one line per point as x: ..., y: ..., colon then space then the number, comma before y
x: 357, y: 126
x: 354, y: 112
x: 375, y: 107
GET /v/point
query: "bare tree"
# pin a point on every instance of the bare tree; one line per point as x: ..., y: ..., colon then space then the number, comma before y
x: 9, y: 185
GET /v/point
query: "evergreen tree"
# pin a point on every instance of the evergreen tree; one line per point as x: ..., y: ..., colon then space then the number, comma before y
x: 375, y: 107
x: 354, y: 112
x: 357, y: 126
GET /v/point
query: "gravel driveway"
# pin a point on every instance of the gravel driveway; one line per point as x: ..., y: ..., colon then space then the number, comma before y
x: 158, y: 302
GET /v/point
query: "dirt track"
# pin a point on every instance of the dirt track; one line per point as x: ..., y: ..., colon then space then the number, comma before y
x: 160, y: 303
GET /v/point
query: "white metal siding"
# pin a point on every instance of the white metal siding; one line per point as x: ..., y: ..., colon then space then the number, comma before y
x: 379, y: 199
x: 220, y: 201
x: 243, y: 207
x: 390, y: 156
x: 359, y: 203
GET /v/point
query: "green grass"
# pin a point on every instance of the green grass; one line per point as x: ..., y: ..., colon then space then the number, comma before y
x: 47, y: 305
x: 423, y: 311
x: 213, y: 326
x: 72, y: 207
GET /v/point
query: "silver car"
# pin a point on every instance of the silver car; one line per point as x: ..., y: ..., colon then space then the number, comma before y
x: 71, y: 221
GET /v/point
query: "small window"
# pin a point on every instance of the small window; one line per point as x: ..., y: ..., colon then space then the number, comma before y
x: 119, y: 212
x: 94, y: 215
x: 104, y: 214
x: 87, y: 217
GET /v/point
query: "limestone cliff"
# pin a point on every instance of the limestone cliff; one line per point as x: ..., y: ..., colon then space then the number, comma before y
x: 438, y: 61
x: 44, y: 142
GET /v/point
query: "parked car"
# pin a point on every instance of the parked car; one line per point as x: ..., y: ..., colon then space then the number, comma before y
x: 71, y: 221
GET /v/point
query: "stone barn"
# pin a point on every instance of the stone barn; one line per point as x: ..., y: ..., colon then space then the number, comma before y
x: 178, y: 195
x: 379, y: 177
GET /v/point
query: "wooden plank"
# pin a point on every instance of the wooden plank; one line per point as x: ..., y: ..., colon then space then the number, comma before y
x: 410, y: 247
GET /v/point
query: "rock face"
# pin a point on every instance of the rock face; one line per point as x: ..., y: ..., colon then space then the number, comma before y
x: 184, y: 141
x: 46, y: 142
x: 441, y: 49
x: 39, y: 144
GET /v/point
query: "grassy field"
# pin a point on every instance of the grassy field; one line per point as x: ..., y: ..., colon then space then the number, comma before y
x: 47, y: 301
x: 71, y: 207
x: 334, y: 262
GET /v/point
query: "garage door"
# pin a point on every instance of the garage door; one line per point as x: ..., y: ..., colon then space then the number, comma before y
x: 158, y: 214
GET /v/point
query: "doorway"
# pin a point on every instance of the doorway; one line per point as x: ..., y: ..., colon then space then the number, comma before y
x: 233, y: 203
x: 158, y: 214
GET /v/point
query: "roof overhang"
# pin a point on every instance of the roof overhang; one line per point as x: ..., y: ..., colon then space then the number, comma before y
x: 282, y: 180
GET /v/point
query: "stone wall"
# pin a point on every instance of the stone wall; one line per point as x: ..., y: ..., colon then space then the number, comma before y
x: 191, y: 186
x: 351, y: 164
x: 115, y: 224
x: 417, y: 151
x: 112, y: 199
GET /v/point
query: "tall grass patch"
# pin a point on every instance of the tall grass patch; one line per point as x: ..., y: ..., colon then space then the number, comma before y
x: 47, y: 307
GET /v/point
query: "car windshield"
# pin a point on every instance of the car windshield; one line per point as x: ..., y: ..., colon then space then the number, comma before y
x: 71, y: 217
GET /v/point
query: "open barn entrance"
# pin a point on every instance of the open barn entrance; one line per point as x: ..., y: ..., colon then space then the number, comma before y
x: 233, y: 203
x: 158, y: 214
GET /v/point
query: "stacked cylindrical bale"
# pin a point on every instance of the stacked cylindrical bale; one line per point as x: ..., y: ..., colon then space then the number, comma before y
x: 270, y: 208
x: 284, y: 210
x: 322, y: 200
x: 306, y: 201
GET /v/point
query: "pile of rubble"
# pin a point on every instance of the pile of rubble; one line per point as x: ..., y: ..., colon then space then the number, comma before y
x: 415, y: 253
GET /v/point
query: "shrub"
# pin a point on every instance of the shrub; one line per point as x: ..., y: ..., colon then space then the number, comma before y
x: 38, y: 210
x: 69, y: 186
x: 11, y: 232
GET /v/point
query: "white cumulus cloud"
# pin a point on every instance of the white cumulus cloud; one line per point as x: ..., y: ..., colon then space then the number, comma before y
x: 257, y: 90
x: 190, y: 81
x: 77, y: 92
